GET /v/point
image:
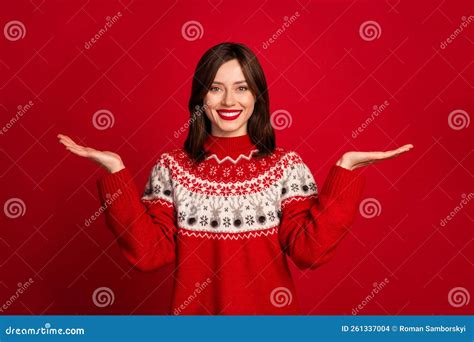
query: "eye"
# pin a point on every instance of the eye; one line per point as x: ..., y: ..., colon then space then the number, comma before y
x: 243, y: 88
x: 214, y: 89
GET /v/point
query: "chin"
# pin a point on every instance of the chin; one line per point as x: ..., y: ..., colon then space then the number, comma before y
x: 226, y: 127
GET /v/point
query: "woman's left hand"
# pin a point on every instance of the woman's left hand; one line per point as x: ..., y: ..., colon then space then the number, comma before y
x: 352, y: 160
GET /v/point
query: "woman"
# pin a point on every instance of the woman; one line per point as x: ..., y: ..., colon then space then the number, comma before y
x: 229, y: 206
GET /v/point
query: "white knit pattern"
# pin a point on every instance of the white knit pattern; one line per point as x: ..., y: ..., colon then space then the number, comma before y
x: 228, y: 236
x: 257, y: 210
x: 233, y: 161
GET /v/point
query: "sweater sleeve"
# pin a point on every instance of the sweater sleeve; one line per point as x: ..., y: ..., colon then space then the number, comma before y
x: 312, y: 223
x: 144, y: 225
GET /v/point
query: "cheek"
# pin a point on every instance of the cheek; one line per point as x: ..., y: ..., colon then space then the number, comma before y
x: 248, y: 102
x: 211, y: 101
x: 209, y: 115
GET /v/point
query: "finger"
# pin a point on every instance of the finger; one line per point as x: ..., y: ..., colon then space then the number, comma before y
x: 64, y: 137
x: 389, y: 154
x: 77, y: 151
x: 405, y: 148
x: 378, y: 155
x: 374, y: 157
x: 65, y: 140
x: 72, y: 142
x: 67, y: 143
x: 385, y: 156
x: 402, y: 149
x: 74, y: 148
x: 76, y: 145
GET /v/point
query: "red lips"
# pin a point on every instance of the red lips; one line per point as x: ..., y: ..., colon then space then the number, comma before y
x: 229, y: 114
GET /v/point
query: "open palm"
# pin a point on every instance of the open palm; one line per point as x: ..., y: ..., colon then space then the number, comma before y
x: 108, y: 160
x: 354, y: 159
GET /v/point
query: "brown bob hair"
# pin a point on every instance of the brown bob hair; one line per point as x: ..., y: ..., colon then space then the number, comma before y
x: 259, y: 127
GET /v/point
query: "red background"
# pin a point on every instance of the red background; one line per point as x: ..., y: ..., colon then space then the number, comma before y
x: 320, y: 70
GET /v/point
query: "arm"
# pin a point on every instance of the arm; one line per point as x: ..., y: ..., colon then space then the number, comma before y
x: 143, y: 226
x: 313, y: 224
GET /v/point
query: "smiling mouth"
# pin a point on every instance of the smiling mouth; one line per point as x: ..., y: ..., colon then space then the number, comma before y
x: 229, y: 114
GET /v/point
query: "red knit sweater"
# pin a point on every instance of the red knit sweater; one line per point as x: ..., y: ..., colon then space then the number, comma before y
x: 229, y: 224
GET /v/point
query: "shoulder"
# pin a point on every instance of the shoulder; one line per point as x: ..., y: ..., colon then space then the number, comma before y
x: 297, y: 180
x: 288, y: 157
x: 294, y: 167
x: 170, y: 157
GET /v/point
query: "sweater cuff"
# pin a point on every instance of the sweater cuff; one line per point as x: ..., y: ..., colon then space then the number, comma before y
x: 343, y: 183
x: 118, y: 185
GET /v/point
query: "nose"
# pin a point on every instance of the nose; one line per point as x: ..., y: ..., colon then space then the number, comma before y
x: 228, y: 99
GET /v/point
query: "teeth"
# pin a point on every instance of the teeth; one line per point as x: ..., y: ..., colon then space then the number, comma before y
x: 229, y: 114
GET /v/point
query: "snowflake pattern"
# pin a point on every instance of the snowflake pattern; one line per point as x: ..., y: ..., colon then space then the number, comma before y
x: 203, y: 221
x: 249, y: 220
x: 157, y: 189
x: 226, y: 222
x: 213, y: 171
x: 271, y: 216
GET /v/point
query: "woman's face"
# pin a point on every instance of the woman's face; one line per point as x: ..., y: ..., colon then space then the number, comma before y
x: 229, y: 102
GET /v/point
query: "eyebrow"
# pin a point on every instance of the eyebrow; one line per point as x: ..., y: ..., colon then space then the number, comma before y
x: 234, y: 82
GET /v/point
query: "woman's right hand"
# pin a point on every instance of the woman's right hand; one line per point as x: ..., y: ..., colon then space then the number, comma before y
x: 109, y: 160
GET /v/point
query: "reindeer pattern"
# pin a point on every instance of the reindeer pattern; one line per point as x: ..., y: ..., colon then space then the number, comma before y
x: 159, y: 185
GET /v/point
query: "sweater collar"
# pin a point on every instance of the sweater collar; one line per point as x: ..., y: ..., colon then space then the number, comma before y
x: 229, y: 146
